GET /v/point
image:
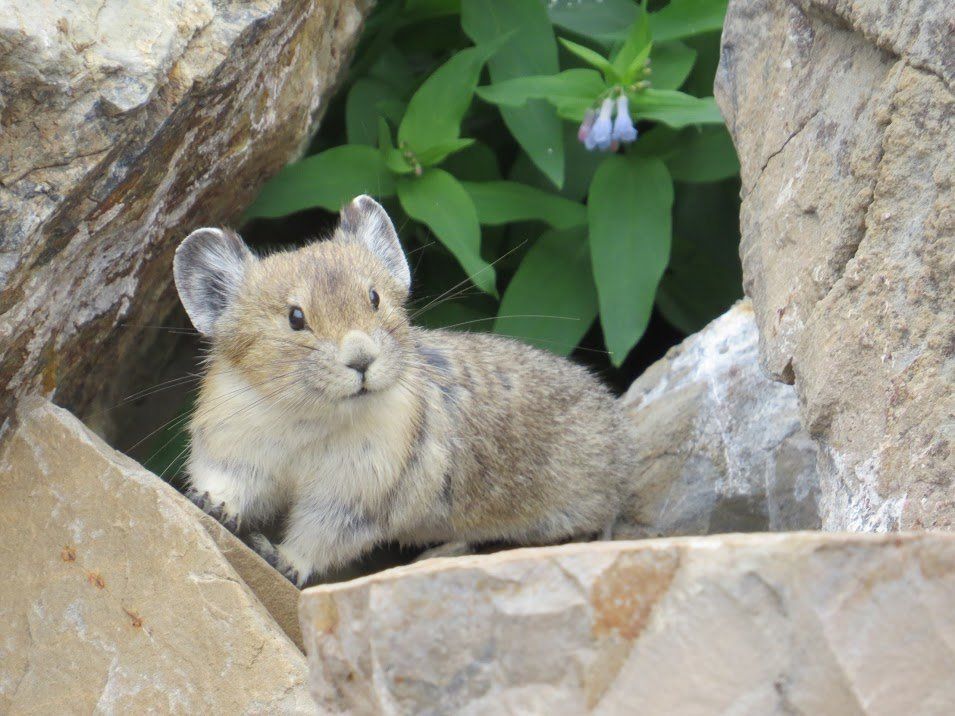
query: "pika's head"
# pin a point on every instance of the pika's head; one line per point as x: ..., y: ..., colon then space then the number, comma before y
x: 323, y: 324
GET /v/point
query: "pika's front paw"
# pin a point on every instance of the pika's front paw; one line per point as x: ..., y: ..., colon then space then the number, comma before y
x: 217, y: 510
x: 273, y: 555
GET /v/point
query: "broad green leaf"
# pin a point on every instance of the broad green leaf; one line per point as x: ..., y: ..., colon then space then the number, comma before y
x: 328, y: 180
x: 570, y: 84
x: 435, y: 111
x: 476, y: 163
x: 705, y: 155
x: 581, y: 166
x: 530, y: 50
x: 502, y: 202
x: 392, y: 68
x: 437, y: 200
x: 674, y: 109
x: 363, y: 107
x: 628, y: 212
x: 684, y: 18
x: 573, y: 110
x: 704, y: 276
x: 672, y: 63
x: 592, y: 58
x: 437, y: 153
x: 602, y: 20
x: 551, y: 301
x: 636, y: 45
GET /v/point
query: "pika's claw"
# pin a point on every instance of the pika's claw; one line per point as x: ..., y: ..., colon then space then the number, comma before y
x: 217, y: 511
x: 270, y: 553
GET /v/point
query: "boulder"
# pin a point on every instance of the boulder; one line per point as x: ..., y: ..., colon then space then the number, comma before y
x: 746, y: 624
x: 843, y: 116
x: 719, y: 443
x: 117, y: 598
x: 124, y: 126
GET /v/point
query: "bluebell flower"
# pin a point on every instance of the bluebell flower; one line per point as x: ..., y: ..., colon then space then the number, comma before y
x: 623, y: 129
x: 599, y: 136
x: 586, y: 126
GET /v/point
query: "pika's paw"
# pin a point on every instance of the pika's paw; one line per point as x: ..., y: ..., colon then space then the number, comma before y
x: 273, y: 555
x: 217, y: 510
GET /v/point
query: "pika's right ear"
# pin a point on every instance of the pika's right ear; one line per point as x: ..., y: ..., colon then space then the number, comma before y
x: 208, y: 269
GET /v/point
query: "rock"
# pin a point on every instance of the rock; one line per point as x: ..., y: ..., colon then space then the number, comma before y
x: 844, y: 119
x: 115, y: 598
x: 720, y: 444
x: 124, y: 127
x: 746, y: 624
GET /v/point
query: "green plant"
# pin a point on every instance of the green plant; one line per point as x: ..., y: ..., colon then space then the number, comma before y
x: 551, y: 232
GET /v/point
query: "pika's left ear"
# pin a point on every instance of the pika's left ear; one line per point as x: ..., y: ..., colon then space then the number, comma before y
x: 369, y: 223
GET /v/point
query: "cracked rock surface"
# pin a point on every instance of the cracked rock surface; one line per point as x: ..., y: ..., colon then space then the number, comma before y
x: 799, y: 623
x: 843, y: 115
x: 118, y: 597
x: 720, y: 444
x: 123, y: 126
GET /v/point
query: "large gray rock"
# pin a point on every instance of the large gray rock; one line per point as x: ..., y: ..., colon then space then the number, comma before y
x: 117, y: 598
x: 720, y: 445
x: 844, y: 119
x: 798, y: 623
x: 124, y: 126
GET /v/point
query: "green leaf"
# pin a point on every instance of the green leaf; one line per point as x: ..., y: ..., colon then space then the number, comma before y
x: 551, y: 300
x: 705, y: 155
x: 394, y: 159
x: 593, y: 59
x: 501, y: 202
x: 602, y: 20
x: 437, y: 200
x: 363, y: 107
x: 530, y: 50
x: 476, y: 163
x: 684, y: 18
x: 417, y: 10
x: 704, y: 277
x: 581, y: 166
x: 328, y: 180
x: 630, y: 226
x: 673, y: 108
x: 570, y: 84
x: 635, y: 47
x: 437, y: 153
x: 435, y: 111
x: 672, y: 63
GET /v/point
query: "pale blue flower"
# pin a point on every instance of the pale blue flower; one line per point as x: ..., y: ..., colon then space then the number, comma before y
x: 586, y: 126
x: 599, y: 136
x: 623, y: 129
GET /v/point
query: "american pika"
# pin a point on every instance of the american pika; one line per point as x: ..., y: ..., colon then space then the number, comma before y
x: 321, y: 402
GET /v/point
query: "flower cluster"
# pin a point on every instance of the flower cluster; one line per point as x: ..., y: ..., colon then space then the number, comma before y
x: 597, y: 131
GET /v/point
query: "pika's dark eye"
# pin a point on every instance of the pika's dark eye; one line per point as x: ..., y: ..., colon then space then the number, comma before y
x: 374, y: 298
x: 296, y: 319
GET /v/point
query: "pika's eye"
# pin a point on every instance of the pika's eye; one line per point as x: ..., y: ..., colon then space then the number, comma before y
x: 296, y: 319
x: 374, y: 298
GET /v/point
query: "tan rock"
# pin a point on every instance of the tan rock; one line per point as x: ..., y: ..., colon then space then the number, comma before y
x: 126, y: 125
x: 720, y: 445
x: 844, y: 119
x: 799, y: 623
x: 115, y: 598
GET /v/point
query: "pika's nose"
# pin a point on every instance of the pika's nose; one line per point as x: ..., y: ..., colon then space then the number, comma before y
x: 360, y: 363
x: 358, y: 351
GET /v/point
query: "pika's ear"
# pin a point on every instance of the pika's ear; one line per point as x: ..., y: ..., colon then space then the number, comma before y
x: 369, y: 223
x: 208, y: 269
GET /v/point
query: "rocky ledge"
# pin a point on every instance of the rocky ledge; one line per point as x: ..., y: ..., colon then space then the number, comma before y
x: 747, y: 624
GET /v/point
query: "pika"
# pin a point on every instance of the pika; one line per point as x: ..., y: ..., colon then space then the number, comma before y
x: 320, y: 402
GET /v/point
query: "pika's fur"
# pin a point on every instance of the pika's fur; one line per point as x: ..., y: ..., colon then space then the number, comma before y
x: 321, y: 401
